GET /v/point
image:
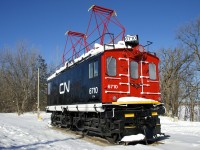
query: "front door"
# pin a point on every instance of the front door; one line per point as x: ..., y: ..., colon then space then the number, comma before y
x: 149, y: 79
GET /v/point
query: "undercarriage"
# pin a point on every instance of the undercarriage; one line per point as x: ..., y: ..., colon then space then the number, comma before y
x: 115, y: 122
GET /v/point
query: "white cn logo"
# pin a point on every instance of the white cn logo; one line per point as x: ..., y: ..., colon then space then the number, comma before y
x: 64, y: 87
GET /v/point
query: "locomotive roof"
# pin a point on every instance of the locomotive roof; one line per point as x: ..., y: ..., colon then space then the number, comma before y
x: 98, y: 48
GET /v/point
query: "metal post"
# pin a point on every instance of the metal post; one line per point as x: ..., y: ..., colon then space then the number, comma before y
x: 38, y: 95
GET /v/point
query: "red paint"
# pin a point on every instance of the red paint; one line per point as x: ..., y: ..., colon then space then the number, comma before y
x: 116, y: 86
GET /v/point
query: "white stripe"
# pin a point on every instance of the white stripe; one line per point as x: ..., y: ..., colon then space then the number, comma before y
x: 95, y: 107
x: 112, y: 78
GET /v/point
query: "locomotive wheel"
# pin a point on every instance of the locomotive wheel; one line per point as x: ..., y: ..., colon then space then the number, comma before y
x: 53, y: 119
x: 80, y: 125
x: 84, y: 133
x: 113, y: 139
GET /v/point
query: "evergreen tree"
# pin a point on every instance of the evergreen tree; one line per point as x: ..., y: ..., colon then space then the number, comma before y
x: 42, y: 65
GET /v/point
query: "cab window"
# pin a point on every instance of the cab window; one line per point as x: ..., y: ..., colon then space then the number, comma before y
x: 152, y: 71
x: 111, y: 66
x: 134, y: 70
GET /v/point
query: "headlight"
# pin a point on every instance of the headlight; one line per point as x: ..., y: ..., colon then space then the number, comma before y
x: 114, y: 98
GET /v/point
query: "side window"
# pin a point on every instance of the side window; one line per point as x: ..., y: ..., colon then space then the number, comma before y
x: 111, y: 66
x: 93, y: 69
x: 152, y: 71
x: 49, y: 88
x: 134, y: 70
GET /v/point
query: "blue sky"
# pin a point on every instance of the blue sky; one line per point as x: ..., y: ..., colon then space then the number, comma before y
x: 42, y: 23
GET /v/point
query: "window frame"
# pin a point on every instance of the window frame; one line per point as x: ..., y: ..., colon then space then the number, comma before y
x: 115, y: 67
x: 131, y: 75
x: 93, y: 69
x: 152, y: 67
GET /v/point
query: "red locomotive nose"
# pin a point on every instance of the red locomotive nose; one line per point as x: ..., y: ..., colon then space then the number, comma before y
x: 130, y: 72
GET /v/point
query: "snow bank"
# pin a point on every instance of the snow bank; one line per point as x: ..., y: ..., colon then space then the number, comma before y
x: 26, y: 132
x: 133, y: 138
x: 169, y: 125
x: 134, y: 99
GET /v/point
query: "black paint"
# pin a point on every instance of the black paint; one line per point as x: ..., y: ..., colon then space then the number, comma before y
x: 78, y: 75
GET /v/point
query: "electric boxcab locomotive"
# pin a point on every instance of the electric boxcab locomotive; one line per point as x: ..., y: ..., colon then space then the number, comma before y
x: 112, y: 90
x: 107, y: 88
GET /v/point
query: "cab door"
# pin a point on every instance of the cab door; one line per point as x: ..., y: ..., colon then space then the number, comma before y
x: 116, y: 77
x: 149, y: 79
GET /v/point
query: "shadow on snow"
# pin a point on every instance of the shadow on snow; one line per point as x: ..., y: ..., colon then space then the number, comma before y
x: 31, y: 146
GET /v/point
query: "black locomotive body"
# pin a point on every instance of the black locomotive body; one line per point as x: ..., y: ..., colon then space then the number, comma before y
x: 73, y: 85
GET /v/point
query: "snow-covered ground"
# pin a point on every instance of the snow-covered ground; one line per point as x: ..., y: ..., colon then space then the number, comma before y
x: 26, y: 132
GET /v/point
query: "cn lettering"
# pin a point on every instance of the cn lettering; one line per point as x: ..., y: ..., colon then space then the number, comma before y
x: 64, y: 87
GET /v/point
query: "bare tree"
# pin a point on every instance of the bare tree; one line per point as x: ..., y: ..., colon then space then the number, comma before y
x: 189, y: 35
x: 18, y: 79
x: 174, y: 64
x: 179, y: 82
x: 18, y: 73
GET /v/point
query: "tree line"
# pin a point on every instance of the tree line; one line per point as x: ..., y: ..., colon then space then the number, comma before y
x: 180, y: 73
x: 179, y: 76
x: 18, y: 79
